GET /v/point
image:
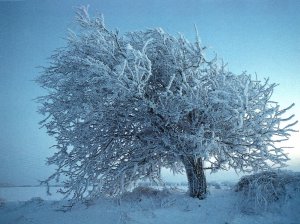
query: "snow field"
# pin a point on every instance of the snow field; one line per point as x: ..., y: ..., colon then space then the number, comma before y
x: 148, y: 205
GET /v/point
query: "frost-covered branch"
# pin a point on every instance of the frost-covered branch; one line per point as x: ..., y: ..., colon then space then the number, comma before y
x: 122, y: 107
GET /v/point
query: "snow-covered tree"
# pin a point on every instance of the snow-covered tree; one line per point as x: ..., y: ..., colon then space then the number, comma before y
x: 121, y: 107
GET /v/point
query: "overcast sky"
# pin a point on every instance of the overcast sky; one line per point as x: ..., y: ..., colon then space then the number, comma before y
x: 256, y: 36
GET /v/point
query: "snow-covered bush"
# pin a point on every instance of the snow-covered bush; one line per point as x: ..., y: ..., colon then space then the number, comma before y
x: 144, y: 192
x: 35, y: 201
x: 214, y: 184
x: 146, y: 198
x: 260, y: 191
x: 2, y: 202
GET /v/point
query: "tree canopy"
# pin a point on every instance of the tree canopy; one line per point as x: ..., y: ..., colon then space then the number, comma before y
x: 121, y: 107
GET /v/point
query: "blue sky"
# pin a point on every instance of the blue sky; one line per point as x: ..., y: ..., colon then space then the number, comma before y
x: 256, y: 36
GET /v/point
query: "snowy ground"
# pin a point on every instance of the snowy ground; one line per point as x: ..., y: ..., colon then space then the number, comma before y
x: 147, y: 205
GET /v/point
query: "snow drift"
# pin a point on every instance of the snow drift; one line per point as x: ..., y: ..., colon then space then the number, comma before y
x: 278, y: 193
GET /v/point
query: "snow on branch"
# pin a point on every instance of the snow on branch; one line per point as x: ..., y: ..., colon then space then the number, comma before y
x: 122, y: 107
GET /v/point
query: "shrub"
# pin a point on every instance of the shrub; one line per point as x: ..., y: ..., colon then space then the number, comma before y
x: 261, y: 191
x: 2, y: 202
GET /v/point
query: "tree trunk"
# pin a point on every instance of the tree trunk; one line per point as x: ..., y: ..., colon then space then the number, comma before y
x: 195, y: 175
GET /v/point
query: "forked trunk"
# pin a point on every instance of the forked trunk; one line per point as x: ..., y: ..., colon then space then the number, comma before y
x: 195, y: 175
